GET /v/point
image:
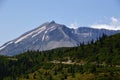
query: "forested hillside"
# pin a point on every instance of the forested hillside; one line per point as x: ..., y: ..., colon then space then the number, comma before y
x: 96, y: 61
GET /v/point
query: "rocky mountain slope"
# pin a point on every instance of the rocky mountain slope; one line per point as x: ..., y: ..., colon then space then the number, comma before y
x: 52, y: 35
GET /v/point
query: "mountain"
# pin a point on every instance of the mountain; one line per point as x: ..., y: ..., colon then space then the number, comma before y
x: 95, y: 61
x: 52, y: 35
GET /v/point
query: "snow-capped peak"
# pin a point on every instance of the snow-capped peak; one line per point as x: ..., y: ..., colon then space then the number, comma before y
x: 37, y: 31
x: 51, y: 35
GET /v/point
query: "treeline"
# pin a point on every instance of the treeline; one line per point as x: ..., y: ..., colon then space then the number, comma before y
x: 96, y: 61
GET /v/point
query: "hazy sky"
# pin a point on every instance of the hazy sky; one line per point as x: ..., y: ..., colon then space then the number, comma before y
x: 19, y: 16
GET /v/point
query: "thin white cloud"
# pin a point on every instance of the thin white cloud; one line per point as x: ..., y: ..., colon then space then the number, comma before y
x: 73, y: 25
x: 114, y: 20
x: 114, y: 24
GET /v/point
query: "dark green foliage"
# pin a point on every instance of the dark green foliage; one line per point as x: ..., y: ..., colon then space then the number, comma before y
x: 96, y: 61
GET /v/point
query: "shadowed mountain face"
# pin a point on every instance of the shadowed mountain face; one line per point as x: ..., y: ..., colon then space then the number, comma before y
x: 51, y: 35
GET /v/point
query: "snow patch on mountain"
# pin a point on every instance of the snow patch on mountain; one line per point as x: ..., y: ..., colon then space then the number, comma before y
x: 47, y: 37
x: 31, y: 33
x: 6, y: 45
x: 52, y: 28
x: 2, y: 47
x: 44, y: 35
x: 86, y: 34
x: 49, y: 29
x: 39, y: 31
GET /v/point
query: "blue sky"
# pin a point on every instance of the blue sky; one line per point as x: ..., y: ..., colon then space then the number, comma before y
x: 19, y: 16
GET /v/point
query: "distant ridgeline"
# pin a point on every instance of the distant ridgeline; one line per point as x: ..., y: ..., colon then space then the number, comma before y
x: 51, y: 35
x: 98, y: 60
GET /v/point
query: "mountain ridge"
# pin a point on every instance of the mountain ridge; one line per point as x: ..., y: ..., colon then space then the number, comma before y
x: 52, y: 35
x: 100, y: 59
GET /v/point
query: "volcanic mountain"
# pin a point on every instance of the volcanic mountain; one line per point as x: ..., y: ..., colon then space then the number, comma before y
x: 52, y: 35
